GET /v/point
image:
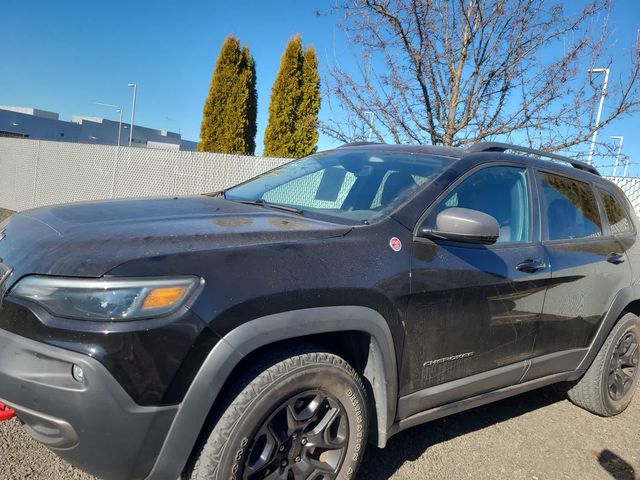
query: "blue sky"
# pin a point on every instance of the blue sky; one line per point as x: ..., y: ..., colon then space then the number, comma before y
x: 64, y: 56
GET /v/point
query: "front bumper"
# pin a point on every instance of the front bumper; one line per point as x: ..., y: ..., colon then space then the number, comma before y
x: 94, y: 425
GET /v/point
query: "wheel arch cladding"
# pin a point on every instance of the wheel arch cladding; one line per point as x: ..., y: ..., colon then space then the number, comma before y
x: 380, y: 370
x: 627, y: 300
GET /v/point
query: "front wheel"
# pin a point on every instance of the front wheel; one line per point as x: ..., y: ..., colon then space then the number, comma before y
x: 299, y: 416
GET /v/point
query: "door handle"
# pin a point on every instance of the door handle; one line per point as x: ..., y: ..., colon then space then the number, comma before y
x: 615, y: 258
x: 531, y: 266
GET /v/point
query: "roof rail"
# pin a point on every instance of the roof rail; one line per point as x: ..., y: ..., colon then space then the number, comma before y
x: 502, y: 147
x: 359, y: 144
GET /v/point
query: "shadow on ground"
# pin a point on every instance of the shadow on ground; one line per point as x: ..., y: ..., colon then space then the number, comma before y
x: 381, y: 464
x: 617, y: 467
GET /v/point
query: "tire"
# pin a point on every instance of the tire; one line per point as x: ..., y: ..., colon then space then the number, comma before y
x: 608, y: 386
x: 293, y: 395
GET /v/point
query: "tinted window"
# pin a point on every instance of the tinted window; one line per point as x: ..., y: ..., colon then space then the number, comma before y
x: 501, y: 192
x: 618, y: 219
x: 570, y: 208
x: 353, y: 184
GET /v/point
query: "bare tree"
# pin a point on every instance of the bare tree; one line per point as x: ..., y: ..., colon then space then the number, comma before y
x: 454, y: 72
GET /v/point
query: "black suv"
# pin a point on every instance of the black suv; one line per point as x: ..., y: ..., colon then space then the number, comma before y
x: 270, y: 330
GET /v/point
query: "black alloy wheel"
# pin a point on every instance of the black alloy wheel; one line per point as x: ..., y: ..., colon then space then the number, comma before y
x: 608, y: 385
x: 623, y: 366
x: 304, y: 438
x: 297, y: 414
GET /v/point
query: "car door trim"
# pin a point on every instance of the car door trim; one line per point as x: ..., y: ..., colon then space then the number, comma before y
x: 477, y: 401
x: 458, y: 389
x: 483, y: 382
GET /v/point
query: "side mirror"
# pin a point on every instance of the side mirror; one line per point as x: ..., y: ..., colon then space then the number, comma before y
x: 464, y: 225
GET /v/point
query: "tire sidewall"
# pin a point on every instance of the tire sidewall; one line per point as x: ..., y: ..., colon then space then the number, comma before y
x: 327, y: 378
x: 614, y: 407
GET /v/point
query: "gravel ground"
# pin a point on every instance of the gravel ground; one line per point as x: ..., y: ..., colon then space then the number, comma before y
x: 535, y: 436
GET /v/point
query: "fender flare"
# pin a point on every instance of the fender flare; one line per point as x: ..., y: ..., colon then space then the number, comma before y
x: 381, y: 371
x: 624, y: 297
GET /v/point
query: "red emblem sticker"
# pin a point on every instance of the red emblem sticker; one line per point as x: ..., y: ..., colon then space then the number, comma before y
x: 395, y: 244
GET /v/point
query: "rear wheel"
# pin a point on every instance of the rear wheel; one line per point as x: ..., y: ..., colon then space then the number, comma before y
x: 299, y: 416
x: 609, y: 384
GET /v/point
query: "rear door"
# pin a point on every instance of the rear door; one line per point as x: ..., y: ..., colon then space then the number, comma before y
x: 588, y: 268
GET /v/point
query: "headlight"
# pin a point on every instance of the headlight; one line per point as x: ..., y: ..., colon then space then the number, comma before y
x: 106, y: 298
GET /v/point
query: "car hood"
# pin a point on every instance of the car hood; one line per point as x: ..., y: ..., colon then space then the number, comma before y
x: 89, y: 239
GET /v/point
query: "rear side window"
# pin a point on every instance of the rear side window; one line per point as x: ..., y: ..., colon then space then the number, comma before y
x: 619, y: 221
x: 570, y: 208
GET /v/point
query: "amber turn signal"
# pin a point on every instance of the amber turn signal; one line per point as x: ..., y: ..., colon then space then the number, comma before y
x: 163, y: 297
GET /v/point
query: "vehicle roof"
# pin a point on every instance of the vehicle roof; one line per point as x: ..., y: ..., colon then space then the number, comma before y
x: 561, y: 166
x: 452, y: 152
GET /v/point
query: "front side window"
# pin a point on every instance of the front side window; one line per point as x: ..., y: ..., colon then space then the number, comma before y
x: 503, y: 193
x: 618, y: 219
x: 352, y: 184
x: 570, y: 208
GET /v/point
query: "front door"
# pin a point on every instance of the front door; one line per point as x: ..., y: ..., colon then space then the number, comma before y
x: 475, y: 309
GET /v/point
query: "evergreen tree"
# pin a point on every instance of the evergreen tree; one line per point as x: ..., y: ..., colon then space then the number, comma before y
x: 295, y: 102
x: 307, y: 127
x: 229, y: 114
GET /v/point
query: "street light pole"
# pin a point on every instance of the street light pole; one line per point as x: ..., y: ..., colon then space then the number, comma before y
x: 368, y: 112
x: 626, y: 167
x: 119, y: 125
x: 618, y: 137
x: 133, y: 110
x: 602, y: 95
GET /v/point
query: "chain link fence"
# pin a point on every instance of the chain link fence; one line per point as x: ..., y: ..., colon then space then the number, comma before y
x: 35, y: 173
x: 631, y: 187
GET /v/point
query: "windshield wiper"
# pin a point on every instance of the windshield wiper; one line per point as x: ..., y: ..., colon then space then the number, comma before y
x: 219, y: 193
x: 261, y: 202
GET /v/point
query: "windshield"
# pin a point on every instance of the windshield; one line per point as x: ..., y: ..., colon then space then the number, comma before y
x: 357, y: 185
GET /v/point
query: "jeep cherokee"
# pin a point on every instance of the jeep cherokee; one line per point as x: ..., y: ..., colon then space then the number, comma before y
x: 271, y: 330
